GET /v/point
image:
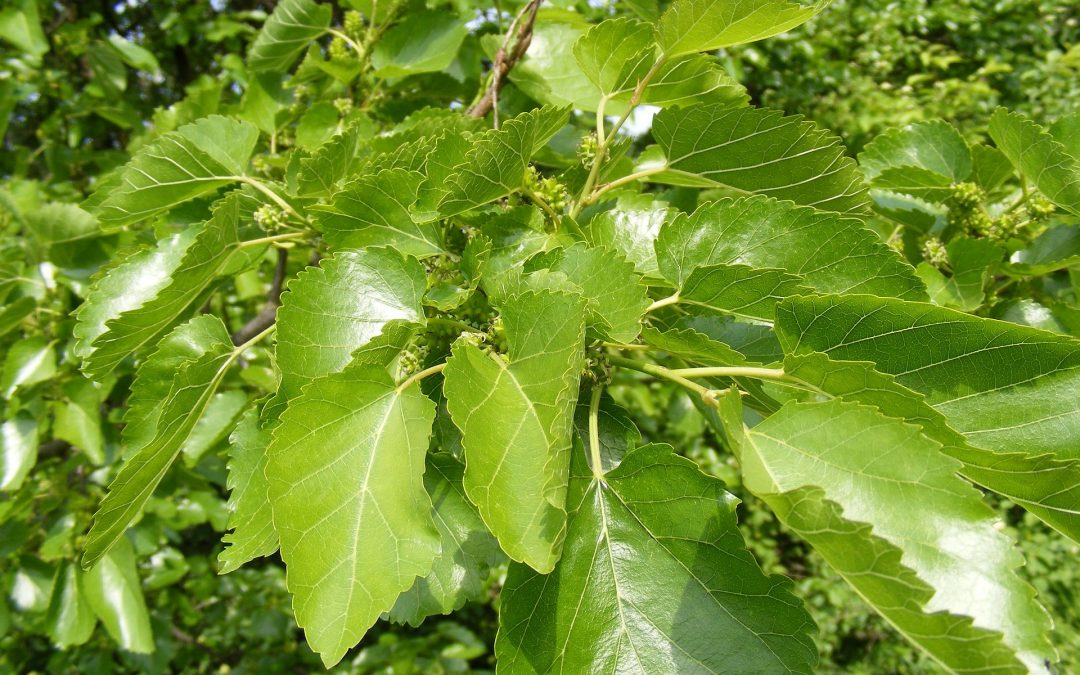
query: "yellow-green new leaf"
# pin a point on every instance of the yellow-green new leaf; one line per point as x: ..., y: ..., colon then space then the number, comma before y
x: 516, y: 420
x: 345, y: 470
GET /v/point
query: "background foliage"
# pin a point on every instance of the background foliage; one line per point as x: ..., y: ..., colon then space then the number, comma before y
x: 83, y: 85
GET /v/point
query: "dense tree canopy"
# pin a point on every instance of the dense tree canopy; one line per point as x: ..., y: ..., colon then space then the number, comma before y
x: 646, y: 336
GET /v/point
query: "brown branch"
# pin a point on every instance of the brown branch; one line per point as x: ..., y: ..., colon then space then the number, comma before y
x: 268, y: 313
x: 506, y: 59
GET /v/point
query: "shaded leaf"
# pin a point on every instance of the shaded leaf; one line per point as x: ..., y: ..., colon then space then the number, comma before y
x: 468, y: 549
x: 115, y: 594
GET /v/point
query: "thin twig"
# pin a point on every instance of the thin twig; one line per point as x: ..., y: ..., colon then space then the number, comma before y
x: 265, y: 318
x: 507, y: 57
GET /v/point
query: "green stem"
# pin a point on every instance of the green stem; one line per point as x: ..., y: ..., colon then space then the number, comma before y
x: 452, y: 323
x: 247, y: 345
x: 659, y: 371
x: 542, y: 203
x: 594, y: 433
x: 630, y: 178
x: 416, y: 377
x: 734, y: 371
x: 669, y: 300
x: 360, y: 51
x: 288, y: 236
x: 261, y: 187
x: 602, y: 145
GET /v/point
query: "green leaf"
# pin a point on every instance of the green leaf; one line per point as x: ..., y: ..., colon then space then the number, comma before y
x: 189, y: 389
x: 516, y: 421
x: 194, y: 160
x: 990, y: 167
x: 217, y: 421
x: 514, y: 237
x: 70, y: 619
x: 693, y: 346
x: 20, y: 25
x: 27, y: 363
x: 374, y: 211
x: 1039, y: 158
x: 153, y: 380
x: 250, y: 516
x: 293, y: 25
x: 423, y: 42
x: 330, y: 310
x: 1005, y: 387
x: 78, y: 418
x: 135, y: 56
x: 549, y: 71
x: 631, y: 228
x: 1055, y: 249
x: 687, y: 80
x: 330, y: 163
x: 19, y: 439
x: 468, y: 549
x: 495, y: 165
x: 12, y: 315
x: 69, y: 236
x: 345, y: 469
x: 114, y: 593
x: 317, y: 125
x: 757, y: 150
x: 973, y: 261
x: 935, y: 146
x: 916, y: 181
x: 614, y: 295
x: 689, y: 26
x: 1066, y: 130
x: 1047, y: 487
x: 653, y: 562
x: 808, y: 455
x: 747, y: 292
x: 829, y: 252
x: 137, y: 302
x: 616, y: 54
